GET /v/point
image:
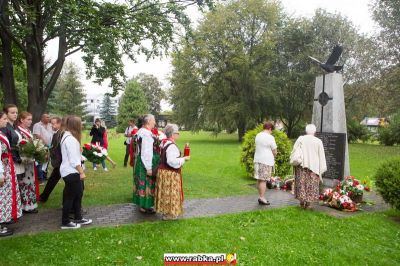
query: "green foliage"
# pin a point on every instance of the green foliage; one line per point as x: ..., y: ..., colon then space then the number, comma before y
x: 390, y: 135
x: 387, y: 180
x: 132, y: 104
x: 151, y: 87
x: 68, y: 97
x: 356, y: 131
x: 108, y: 111
x: 282, y: 166
x: 223, y: 68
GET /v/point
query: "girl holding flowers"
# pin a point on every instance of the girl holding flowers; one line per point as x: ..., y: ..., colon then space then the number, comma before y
x: 28, y: 180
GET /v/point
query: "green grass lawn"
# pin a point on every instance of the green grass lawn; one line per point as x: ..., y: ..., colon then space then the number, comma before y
x: 287, y: 236
x: 213, y: 171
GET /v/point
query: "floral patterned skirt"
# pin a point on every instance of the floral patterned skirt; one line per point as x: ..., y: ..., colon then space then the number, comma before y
x: 28, y: 184
x: 306, y: 185
x: 262, y: 171
x: 169, y: 194
x: 10, y: 202
x: 144, y: 185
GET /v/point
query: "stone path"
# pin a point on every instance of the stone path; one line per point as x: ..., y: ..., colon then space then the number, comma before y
x: 118, y: 214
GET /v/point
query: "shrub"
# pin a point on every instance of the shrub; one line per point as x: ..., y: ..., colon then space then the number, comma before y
x: 391, y: 134
x: 356, y: 131
x: 282, y: 166
x: 387, y: 181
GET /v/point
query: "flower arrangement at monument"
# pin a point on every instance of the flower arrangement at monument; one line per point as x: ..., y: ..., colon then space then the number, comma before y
x: 33, y: 149
x: 94, y: 153
x: 346, y: 195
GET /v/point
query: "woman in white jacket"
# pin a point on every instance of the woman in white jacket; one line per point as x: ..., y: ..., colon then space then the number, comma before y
x: 72, y: 173
x: 309, y: 173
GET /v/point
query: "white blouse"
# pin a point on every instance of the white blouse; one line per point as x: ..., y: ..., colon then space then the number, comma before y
x: 146, y: 152
x: 173, y: 155
x: 71, y: 154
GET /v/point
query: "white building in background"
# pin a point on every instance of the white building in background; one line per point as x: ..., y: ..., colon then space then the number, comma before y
x: 93, y: 105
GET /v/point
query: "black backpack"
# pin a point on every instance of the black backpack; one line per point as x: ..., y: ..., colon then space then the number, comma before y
x: 55, y: 149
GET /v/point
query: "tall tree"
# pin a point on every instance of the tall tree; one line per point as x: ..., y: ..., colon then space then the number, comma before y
x: 108, y: 111
x: 292, y: 73
x: 132, y: 105
x: 69, y: 97
x: 153, y: 91
x: 231, y: 53
x: 102, y: 30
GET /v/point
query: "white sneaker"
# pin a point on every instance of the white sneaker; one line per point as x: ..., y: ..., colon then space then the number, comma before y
x: 83, y: 221
x: 95, y: 168
x: 105, y: 169
x: 71, y: 225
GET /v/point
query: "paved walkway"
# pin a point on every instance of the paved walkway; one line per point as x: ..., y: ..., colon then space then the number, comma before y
x: 118, y: 214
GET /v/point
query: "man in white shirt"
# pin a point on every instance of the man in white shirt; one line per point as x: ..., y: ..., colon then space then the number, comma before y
x: 264, y: 160
x: 128, y: 135
x: 43, y: 130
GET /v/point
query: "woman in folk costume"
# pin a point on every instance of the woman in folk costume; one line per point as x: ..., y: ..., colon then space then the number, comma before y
x: 146, y: 162
x: 10, y: 203
x: 28, y: 180
x: 169, y: 190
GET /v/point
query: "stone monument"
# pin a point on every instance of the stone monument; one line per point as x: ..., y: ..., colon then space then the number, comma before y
x: 329, y: 116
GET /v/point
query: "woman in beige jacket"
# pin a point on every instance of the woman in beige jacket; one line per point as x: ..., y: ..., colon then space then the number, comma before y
x: 309, y: 172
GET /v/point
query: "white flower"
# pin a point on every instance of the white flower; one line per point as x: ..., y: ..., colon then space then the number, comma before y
x: 350, y: 183
x: 104, y: 152
x: 328, y: 191
x: 360, y: 187
x: 344, y: 199
x: 161, y: 135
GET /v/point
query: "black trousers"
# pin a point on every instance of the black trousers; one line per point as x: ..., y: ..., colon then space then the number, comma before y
x: 72, y: 197
x: 51, y: 183
x: 127, y: 148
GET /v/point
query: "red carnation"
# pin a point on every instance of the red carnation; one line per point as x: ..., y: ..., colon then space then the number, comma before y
x: 321, y: 197
x: 366, y: 188
x: 355, y: 183
x: 23, y: 142
x: 134, y: 131
x: 154, y: 131
x: 87, y: 146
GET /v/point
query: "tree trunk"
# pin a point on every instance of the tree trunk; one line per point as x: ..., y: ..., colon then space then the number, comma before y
x: 35, y: 77
x: 241, y: 130
x: 7, y: 71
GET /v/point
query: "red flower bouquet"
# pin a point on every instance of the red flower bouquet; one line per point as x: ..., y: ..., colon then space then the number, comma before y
x: 94, y: 153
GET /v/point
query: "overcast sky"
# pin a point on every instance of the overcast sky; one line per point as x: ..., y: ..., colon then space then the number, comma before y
x: 356, y: 10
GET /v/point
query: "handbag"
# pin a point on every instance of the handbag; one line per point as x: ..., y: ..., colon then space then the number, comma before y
x: 296, y: 157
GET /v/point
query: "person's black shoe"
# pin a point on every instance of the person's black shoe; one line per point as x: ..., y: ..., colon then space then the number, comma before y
x: 5, y: 232
x: 261, y: 202
x: 42, y: 199
x: 150, y: 211
x: 30, y: 211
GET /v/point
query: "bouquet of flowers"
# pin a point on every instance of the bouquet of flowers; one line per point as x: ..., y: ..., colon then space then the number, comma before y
x: 158, y: 136
x: 94, y: 153
x: 346, y: 195
x: 338, y: 200
x: 33, y: 149
x: 275, y: 182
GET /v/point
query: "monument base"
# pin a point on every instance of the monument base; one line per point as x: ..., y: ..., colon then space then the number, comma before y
x: 329, y: 182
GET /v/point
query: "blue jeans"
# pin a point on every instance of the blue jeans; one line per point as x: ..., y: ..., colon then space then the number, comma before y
x: 41, y: 174
x: 103, y: 163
